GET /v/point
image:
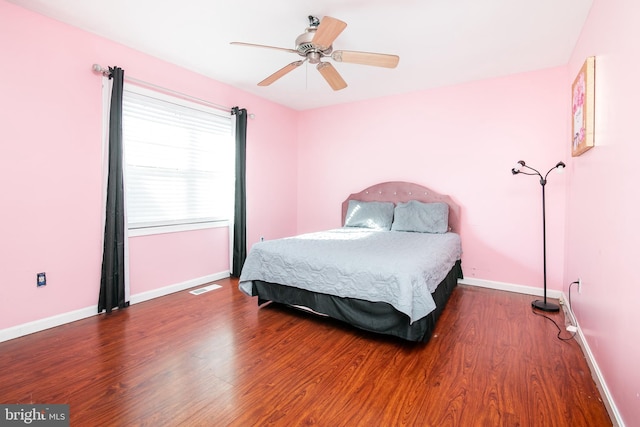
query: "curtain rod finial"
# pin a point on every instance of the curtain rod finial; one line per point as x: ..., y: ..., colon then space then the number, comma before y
x: 100, y: 69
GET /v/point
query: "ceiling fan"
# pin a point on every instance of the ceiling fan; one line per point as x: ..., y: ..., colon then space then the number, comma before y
x: 316, y: 44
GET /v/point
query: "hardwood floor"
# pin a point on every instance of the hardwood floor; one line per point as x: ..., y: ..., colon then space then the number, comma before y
x: 217, y: 359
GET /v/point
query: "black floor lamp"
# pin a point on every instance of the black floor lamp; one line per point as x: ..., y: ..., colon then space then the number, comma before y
x: 542, y: 305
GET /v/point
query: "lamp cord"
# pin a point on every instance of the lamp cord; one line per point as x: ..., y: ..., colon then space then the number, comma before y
x: 555, y: 323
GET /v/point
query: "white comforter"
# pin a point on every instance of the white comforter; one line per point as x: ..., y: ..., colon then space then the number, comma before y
x: 399, y: 268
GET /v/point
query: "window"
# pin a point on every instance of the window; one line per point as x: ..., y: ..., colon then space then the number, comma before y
x: 179, y: 162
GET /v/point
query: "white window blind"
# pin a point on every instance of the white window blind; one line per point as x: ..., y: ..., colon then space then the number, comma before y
x: 179, y: 161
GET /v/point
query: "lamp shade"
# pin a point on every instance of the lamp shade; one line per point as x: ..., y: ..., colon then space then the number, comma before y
x: 517, y: 167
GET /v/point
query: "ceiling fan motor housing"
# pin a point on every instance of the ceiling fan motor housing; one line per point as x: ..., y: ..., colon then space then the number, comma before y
x: 306, y: 48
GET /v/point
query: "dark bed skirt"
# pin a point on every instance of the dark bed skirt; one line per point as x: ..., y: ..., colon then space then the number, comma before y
x: 378, y: 317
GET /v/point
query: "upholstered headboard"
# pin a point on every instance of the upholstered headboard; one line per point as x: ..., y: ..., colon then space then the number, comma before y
x: 402, y: 192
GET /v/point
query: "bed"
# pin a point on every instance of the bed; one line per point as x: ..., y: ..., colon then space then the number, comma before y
x: 389, y: 269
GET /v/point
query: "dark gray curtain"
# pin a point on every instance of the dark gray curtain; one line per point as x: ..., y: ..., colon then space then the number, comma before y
x: 240, y: 216
x: 112, y: 281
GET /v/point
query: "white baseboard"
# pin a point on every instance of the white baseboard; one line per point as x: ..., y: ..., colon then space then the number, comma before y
x: 72, y: 316
x: 510, y: 287
x: 155, y: 293
x: 598, y: 378
x: 46, y: 323
x: 616, y: 419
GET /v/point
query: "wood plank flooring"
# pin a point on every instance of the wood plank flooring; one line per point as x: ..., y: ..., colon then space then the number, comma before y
x: 218, y: 360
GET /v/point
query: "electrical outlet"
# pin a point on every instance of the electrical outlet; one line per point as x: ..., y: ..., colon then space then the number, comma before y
x: 579, y: 285
x: 41, y: 279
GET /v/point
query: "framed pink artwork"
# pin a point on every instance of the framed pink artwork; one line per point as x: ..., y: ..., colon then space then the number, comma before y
x: 582, y: 108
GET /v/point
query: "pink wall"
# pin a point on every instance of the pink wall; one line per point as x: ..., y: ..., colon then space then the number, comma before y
x: 166, y: 259
x: 462, y: 141
x: 50, y: 170
x: 601, y: 236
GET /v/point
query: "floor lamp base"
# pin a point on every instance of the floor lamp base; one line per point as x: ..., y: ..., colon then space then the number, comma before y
x: 545, y: 306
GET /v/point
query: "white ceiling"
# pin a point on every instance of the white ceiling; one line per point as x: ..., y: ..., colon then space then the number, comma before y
x: 440, y: 42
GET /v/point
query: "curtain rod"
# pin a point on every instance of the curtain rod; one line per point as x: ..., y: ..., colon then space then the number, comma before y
x: 105, y: 72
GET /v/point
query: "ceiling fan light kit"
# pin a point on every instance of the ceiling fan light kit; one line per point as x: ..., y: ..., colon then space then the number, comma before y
x: 316, y: 44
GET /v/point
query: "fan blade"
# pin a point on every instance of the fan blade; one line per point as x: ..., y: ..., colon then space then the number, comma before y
x: 366, y: 58
x: 281, y: 72
x: 328, y: 30
x: 331, y: 75
x: 264, y: 46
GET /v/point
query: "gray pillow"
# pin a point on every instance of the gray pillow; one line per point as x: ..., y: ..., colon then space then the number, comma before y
x: 376, y: 215
x: 421, y: 217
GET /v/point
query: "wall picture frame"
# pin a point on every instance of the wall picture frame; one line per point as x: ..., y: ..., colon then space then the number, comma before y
x: 582, y: 108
